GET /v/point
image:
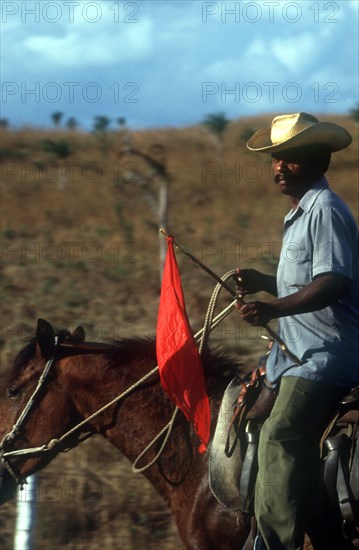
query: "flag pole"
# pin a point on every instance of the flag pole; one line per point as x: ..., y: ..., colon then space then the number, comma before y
x: 233, y: 293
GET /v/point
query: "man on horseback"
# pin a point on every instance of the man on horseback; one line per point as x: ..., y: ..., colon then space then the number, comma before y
x: 316, y: 303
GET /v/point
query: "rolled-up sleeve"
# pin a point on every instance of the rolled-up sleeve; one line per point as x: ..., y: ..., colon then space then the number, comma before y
x: 333, y: 243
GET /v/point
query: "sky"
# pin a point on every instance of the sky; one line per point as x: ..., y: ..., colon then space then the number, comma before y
x: 172, y: 63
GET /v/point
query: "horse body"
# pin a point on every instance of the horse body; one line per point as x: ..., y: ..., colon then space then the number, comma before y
x: 56, y: 384
x: 82, y: 379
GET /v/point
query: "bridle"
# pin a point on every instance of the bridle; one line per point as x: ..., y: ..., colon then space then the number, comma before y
x: 16, y: 429
x: 54, y: 446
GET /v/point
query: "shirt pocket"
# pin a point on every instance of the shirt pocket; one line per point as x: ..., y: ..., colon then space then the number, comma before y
x: 296, y: 269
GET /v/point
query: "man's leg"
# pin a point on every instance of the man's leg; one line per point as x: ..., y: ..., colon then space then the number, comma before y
x: 287, y: 456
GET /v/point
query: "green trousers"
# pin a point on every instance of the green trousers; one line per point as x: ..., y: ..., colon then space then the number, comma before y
x: 288, y: 459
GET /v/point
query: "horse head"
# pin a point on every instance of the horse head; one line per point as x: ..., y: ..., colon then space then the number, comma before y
x: 29, y: 416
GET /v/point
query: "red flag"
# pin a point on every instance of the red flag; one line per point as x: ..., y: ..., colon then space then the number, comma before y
x: 178, y: 358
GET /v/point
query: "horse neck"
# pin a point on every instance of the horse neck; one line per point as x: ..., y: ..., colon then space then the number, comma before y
x: 93, y: 384
x: 132, y: 423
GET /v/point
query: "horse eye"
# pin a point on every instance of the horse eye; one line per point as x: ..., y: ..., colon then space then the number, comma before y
x: 13, y: 390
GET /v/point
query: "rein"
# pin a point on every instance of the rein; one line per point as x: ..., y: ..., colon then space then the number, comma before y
x: 201, y: 336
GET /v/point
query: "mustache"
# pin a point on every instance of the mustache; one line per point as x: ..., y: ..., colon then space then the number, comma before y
x: 282, y: 175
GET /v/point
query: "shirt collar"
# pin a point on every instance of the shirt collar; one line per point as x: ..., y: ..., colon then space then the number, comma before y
x: 308, y: 200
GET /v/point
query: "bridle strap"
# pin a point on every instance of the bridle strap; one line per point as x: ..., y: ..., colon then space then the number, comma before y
x: 24, y: 413
x: 29, y: 405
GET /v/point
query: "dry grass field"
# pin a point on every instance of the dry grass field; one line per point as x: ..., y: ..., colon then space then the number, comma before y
x: 80, y: 247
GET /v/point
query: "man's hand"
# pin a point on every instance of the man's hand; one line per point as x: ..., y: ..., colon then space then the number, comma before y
x: 320, y: 293
x: 250, y: 281
x: 257, y: 314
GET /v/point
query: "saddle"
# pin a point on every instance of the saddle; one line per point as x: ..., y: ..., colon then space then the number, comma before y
x: 233, y: 455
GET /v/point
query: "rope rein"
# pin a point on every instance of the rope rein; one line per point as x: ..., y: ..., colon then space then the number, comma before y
x: 201, y: 336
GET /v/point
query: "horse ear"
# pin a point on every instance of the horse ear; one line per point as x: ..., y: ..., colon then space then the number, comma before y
x: 78, y: 335
x: 45, y: 336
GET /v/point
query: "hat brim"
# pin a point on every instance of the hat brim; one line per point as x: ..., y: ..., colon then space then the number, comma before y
x: 322, y: 133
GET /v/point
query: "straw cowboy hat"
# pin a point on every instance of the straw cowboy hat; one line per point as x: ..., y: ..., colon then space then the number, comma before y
x: 297, y: 130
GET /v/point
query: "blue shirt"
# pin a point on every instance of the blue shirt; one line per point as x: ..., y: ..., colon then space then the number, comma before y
x: 320, y: 236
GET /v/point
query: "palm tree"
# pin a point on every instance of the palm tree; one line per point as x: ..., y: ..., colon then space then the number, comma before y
x: 100, y: 131
x: 72, y: 123
x: 216, y: 124
x: 56, y: 118
x: 101, y: 124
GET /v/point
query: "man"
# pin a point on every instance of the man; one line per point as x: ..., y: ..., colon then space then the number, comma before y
x: 317, y: 306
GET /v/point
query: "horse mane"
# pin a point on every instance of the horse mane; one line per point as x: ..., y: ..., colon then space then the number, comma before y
x: 219, y: 368
x: 130, y: 349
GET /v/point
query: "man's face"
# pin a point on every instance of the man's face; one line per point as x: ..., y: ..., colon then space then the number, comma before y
x: 295, y: 171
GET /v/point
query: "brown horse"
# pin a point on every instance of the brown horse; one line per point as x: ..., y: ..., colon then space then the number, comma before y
x: 56, y: 384
x: 81, y: 379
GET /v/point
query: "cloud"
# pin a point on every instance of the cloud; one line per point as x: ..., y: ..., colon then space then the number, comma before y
x: 83, y: 47
x: 172, y: 54
x: 296, y: 53
x: 353, y: 4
